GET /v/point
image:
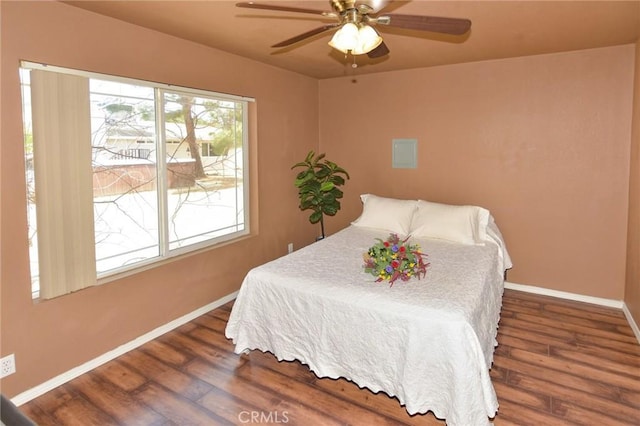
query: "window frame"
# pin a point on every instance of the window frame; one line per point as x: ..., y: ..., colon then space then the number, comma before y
x: 166, y: 253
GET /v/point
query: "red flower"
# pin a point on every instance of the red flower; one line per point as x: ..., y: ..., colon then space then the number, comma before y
x: 386, y: 244
x: 402, y: 249
x: 395, y: 264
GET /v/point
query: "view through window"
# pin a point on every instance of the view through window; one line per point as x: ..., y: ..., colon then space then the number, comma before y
x: 168, y: 164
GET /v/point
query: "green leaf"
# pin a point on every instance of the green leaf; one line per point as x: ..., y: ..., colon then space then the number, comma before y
x: 341, y: 170
x: 315, y: 217
x: 306, y: 204
x: 337, y: 180
x: 303, y: 174
x: 309, y: 185
x: 323, y: 172
x: 336, y: 193
x: 330, y: 209
x: 326, y: 186
x: 328, y: 198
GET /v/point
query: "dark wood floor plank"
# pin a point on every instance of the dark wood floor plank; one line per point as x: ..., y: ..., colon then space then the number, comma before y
x: 543, y: 300
x: 240, y: 391
x: 586, y: 328
x: 79, y: 412
x: 614, y: 316
x: 293, y: 389
x: 629, y: 347
x: 504, y: 421
x: 536, y: 337
x: 513, y: 306
x: 521, y: 415
x: 584, y: 416
x: 179, y: 410
x: 172, y: 379
x: 53, y: 399
x: 523, y: 343
x: 376, y: 402
x: 607, y: 407
x: 599, y: 352
x: 212, y: 322
x: 213, y: 338
x: 121, y: 375
x: 630, y: 398
x: 168, y: 354
x: 577, y: 369
x: 203, y: 350
x: 558, y: 362
x: 237, y: 411
x: 536, y: 400
x: 537, y: 328
x: 558, y: 377
x: 222, y: 312
x: 516, y: 298
x: 114, y: 401
x: 222, y: 315
x: 627, y: 365
x: 498, y: 374
x: 39, y: 416
x: 619, y: 326
x: 293, y: 369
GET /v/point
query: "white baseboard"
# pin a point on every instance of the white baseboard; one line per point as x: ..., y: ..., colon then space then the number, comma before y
x: 67, y: 376
x: 565, y: 295
x: 618, y: 304
x: 632, y: 322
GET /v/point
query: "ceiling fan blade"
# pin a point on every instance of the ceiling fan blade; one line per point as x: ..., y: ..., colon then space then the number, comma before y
x: 308, y: 34
x: 434, y: 24
x: 252, y: 5
x: 379, y: 51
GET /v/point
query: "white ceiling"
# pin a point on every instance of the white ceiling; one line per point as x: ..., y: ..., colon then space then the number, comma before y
x: 500, y: 29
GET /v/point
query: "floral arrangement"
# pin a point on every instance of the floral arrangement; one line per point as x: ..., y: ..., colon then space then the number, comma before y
x: 395, y: 259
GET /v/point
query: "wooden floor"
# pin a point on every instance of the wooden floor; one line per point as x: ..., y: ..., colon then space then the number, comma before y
x: 558, y: 362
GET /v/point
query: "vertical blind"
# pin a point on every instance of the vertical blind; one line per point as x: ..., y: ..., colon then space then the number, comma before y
x: 62, y: 162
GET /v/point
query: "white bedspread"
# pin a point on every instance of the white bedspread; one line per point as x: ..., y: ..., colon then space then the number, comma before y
x: 428, y: 342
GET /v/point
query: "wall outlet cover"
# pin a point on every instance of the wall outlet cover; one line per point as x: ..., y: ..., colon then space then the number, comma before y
x: 7, y: 365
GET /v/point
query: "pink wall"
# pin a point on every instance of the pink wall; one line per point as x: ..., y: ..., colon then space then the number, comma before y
x: 51, y: 337
x: 541, y: 141
x: 632, y: 289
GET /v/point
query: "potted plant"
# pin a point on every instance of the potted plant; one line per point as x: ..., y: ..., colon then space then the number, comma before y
x: 318, y: 187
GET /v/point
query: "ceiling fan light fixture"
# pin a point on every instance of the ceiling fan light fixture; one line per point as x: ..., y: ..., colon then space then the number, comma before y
x: 357, y: 41
x: 346, y: 38
x: 368, y: 39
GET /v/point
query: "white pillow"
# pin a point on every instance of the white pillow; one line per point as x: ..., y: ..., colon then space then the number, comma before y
x: 462, y: 224
x: 387, y: 214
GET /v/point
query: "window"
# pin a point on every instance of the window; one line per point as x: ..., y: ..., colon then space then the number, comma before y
x: 208, y: 150
x: 122, y: 173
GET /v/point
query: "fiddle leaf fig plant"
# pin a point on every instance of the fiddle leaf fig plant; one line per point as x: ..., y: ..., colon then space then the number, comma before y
x: 318, y: 186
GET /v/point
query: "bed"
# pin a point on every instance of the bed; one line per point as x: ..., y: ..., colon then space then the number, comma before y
x: 428, y: 342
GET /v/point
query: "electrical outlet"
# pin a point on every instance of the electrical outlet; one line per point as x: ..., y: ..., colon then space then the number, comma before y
x: 290, y: 247
x: 7, y: 365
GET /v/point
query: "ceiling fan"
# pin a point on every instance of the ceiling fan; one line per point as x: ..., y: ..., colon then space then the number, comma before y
x: 355, y: 34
